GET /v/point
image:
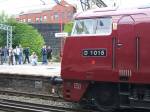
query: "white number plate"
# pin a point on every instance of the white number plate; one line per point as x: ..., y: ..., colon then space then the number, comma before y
x: 94, y: 52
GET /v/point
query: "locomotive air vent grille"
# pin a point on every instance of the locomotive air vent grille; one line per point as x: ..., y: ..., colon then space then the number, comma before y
x: 125, y: 74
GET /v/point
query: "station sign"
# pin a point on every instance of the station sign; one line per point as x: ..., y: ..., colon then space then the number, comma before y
x: 63, y: 34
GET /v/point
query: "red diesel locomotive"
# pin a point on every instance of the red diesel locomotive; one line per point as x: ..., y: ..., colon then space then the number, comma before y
x: 106, y: 60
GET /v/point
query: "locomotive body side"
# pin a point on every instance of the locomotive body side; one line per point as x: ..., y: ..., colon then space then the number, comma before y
x: 109, y: 69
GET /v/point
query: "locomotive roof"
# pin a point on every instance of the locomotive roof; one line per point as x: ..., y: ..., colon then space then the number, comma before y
x: 106, y: 12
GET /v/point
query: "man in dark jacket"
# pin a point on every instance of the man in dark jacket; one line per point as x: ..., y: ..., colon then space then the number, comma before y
x: 27, y: 54
x: 1, y: 61
x: 49, y: 53
x: 5, y: 54
x: 44, y: 54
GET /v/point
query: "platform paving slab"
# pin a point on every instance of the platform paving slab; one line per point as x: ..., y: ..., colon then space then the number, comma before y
x: 27, y: 69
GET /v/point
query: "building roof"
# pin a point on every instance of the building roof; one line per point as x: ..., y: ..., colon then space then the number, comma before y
x: 36, y: 11
x: 62, y: 3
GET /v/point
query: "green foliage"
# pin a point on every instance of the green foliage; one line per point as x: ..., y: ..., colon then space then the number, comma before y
x: 26, y: 36
x: 23, y: 34
x: 3, y: 17
x: 2, y: 38
x: 68, y: 27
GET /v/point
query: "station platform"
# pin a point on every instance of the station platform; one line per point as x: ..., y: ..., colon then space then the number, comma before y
x: 28, y: 79
x: 48, y: 70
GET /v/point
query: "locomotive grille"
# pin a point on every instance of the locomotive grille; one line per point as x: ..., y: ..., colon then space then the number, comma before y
x: 124, y: 75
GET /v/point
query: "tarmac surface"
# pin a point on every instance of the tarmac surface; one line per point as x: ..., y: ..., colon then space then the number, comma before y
x: 27, y: 69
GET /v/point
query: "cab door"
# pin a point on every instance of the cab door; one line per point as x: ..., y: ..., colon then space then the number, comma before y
x: 125, y: 47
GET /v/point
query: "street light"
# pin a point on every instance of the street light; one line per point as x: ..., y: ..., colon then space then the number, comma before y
x: 59, y: 2
x: 61, y: 28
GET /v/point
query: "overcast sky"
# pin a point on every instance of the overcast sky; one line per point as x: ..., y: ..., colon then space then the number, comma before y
x: 17, y: 6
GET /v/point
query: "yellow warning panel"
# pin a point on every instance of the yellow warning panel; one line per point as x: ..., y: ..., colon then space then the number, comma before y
x: 114, y: 26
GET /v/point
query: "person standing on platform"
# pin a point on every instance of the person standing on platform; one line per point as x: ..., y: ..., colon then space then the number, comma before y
x: 5, y: 53
x: 27, y: 54
x: 10, y: 55
x: 44, y: 55
x: 17, y: 51
x: 20, y: 55
x: 49, y: 53
x: 0, y: 55
x: 14, y: 57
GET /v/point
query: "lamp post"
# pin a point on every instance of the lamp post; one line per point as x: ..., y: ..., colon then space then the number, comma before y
x: 61, y: 28
x: 61, y: 21
x: 61, y: 16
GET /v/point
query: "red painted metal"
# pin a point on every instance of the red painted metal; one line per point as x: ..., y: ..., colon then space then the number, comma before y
x: 75, y: 66
x: 128, y: 55
x: 74, y: 90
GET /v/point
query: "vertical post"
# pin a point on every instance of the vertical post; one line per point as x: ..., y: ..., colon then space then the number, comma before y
x: 9, y: 36
x: 60, y: 21
x: 137, y: 53
x: 61, y: 26
x: 113, y: 52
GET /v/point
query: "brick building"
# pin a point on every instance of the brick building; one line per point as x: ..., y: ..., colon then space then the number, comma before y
x: 60, y: 13
x: 49, y: 21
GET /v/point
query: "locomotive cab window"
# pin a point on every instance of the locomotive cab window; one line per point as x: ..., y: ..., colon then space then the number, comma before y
x: 98, y: 26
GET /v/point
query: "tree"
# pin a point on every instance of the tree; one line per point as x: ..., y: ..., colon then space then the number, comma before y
x: 27, y: 36
x: 23, y: 34
x: 3, y: 17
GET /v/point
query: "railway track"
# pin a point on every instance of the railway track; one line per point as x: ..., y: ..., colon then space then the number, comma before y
x: 32, y: 95
x: 15, y: 105
x: 21, y: 106
x: 10, y: 105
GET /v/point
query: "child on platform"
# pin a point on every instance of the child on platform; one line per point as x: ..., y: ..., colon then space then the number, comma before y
x: 34, y: 59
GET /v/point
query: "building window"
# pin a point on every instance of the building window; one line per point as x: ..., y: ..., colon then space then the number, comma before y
x: 56, y: 16
x: 21, y: 20
x: 70, y: 15
x: 29, y: 21
x: 37, y: 20
x: 45, y: 18
x: 24, y: 20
